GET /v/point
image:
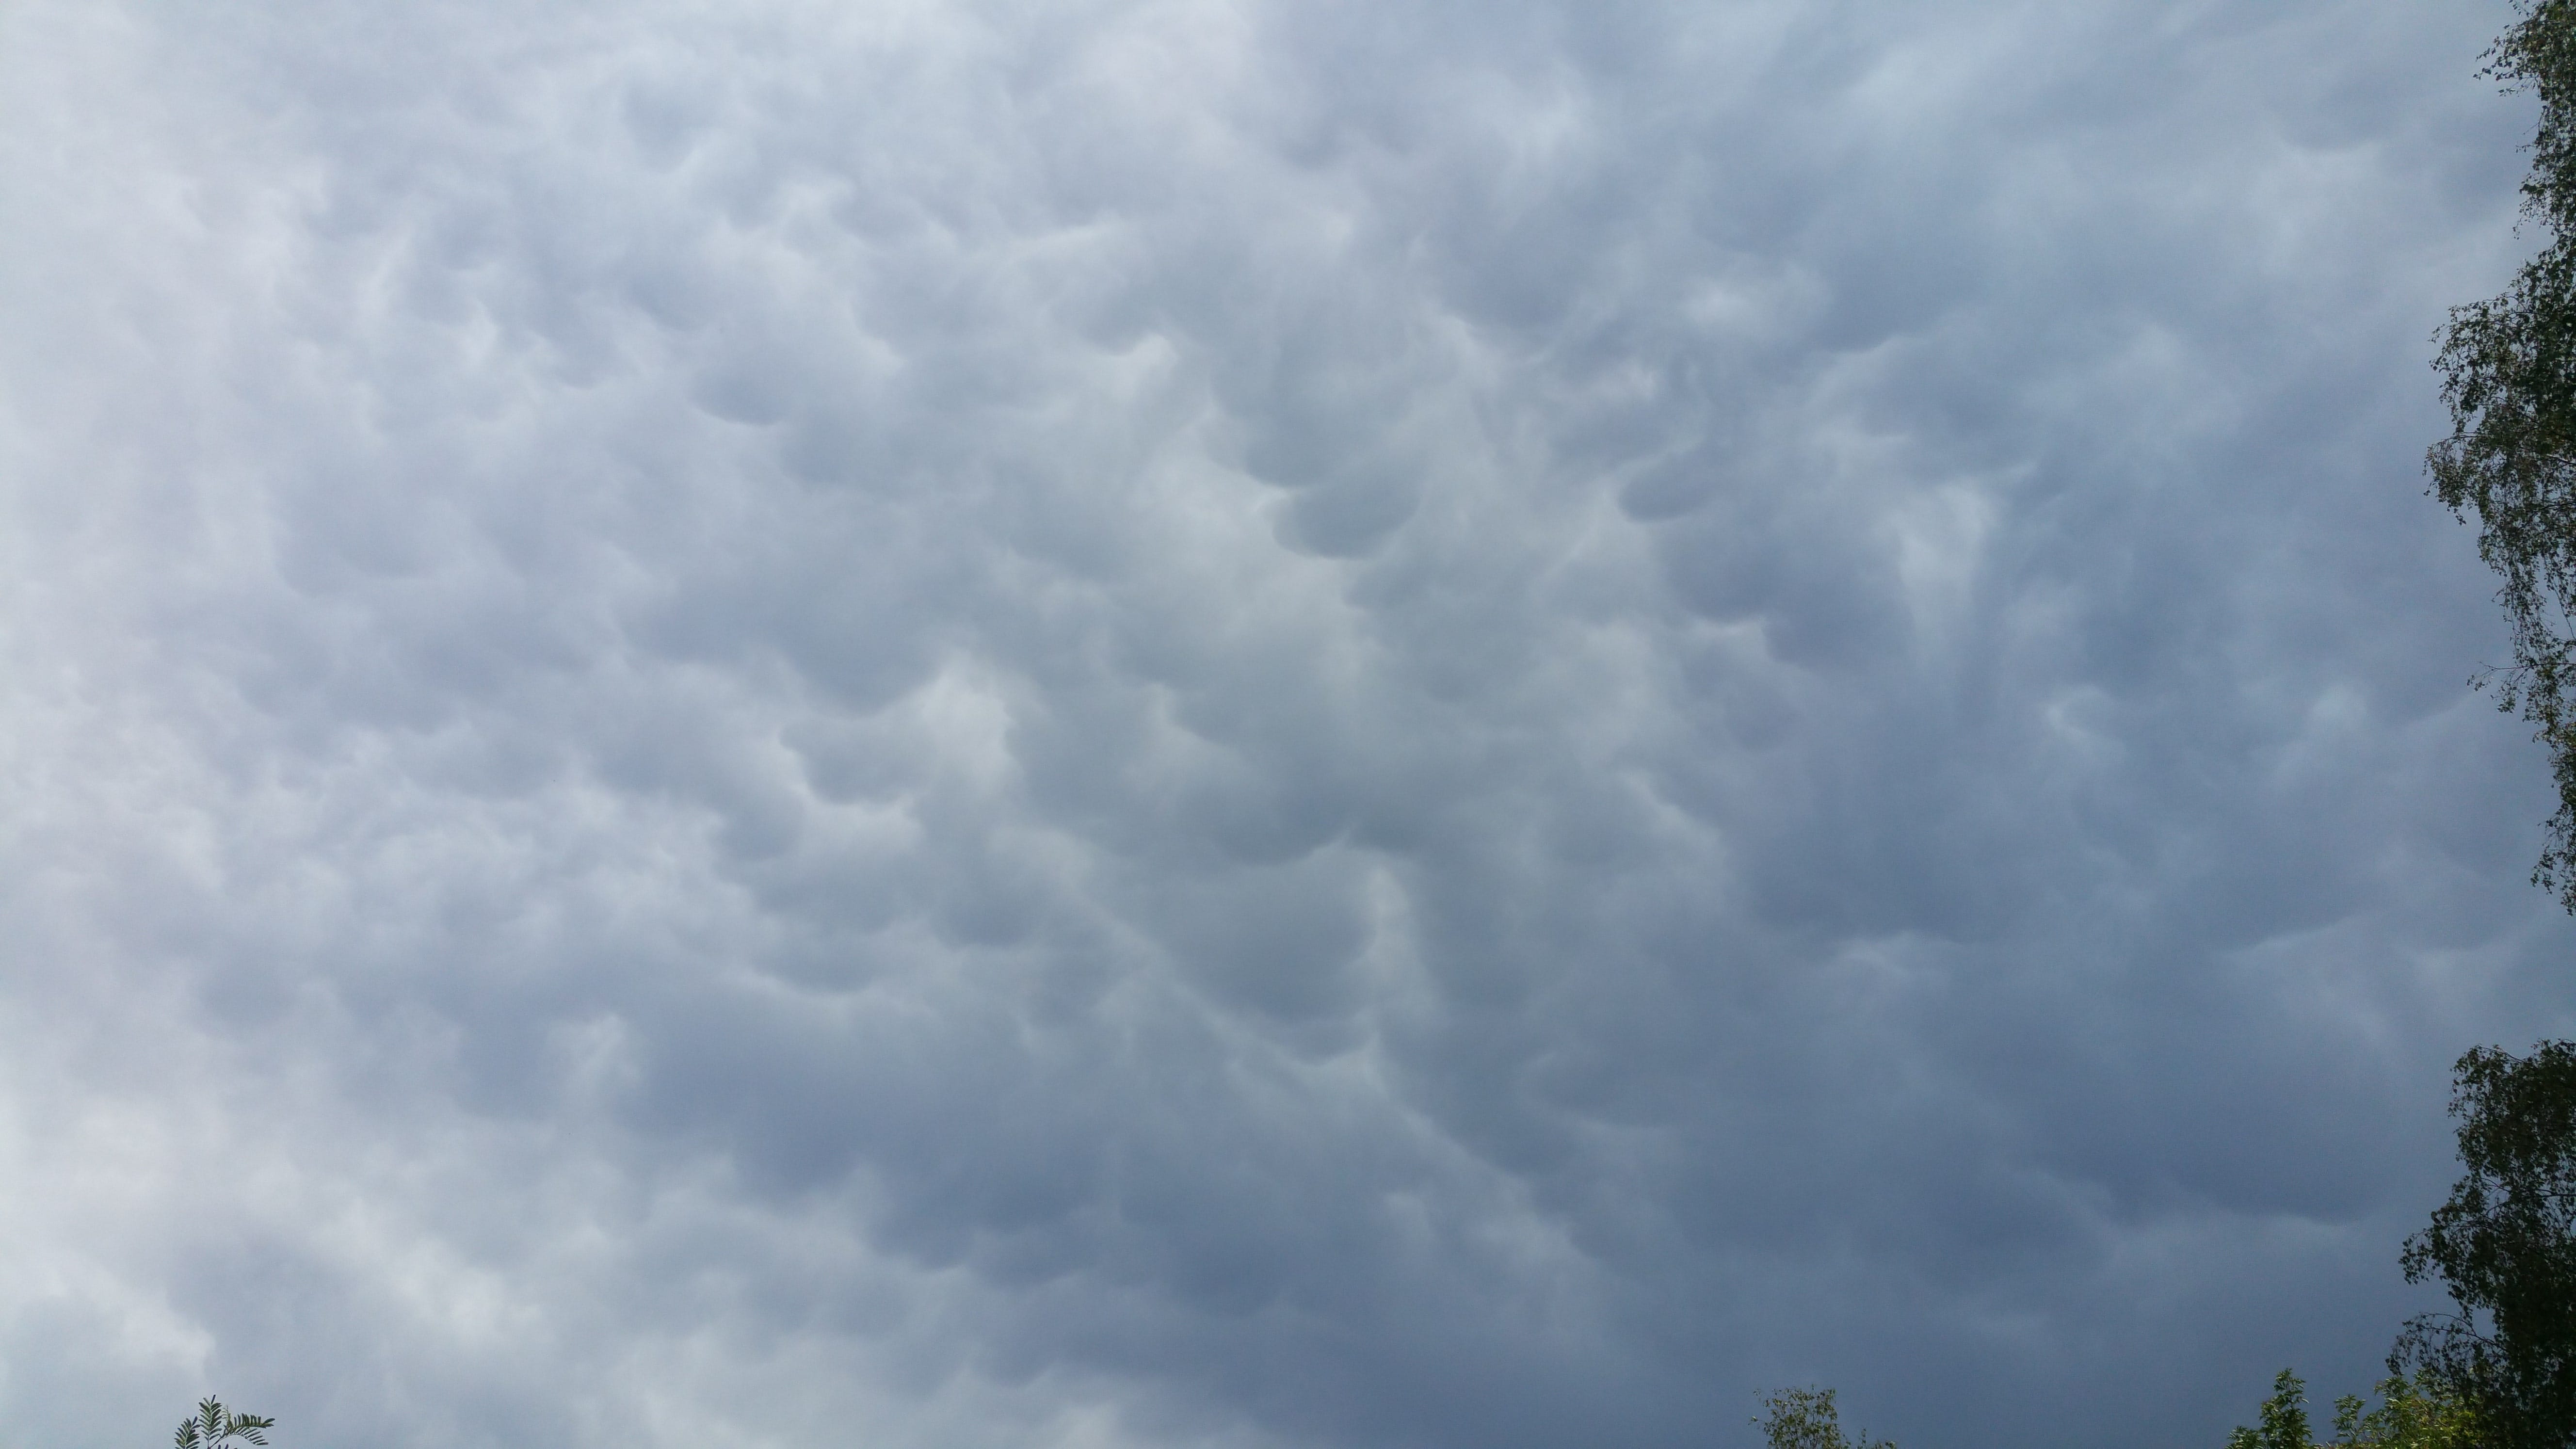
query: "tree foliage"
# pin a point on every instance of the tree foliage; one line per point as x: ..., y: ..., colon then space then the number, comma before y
x: 2413, y: 1413
x: 2505, y: 1247
x: 1807, y: 1419
x: 2283, y: 1423
x: 2508, y: 367
x: 213, y: 1425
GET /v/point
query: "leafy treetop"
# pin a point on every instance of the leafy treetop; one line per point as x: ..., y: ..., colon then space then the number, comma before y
x: 213, y: 1425
x: 2413, y: 1413
x: 1806, y: 1419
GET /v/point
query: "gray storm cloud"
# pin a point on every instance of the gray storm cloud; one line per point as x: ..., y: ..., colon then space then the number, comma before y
x: 1134, y: 724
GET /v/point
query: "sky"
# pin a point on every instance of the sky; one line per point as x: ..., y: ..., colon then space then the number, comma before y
x: 1247, y: 725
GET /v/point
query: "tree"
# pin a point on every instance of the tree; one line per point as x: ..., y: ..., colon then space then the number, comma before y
x: 213, y: 1424
x: 2416, y: 1413
x: 2413, y: 1413
x: 2505, y: 1247
x: 2284, y: 1420
x: 2508, y: 369
x: 1807, y: 1419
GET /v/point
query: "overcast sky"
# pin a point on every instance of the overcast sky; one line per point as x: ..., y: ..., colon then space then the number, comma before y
x: 1271, y: 725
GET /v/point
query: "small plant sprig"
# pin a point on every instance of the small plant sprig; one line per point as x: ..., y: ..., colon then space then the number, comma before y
x: 213, y: 1425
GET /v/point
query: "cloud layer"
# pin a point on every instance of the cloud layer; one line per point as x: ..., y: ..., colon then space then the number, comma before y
x: 1184, y: 724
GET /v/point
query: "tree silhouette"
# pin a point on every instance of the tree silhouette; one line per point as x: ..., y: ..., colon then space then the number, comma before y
x: 2505, y: 1247
x: 2508, y: 367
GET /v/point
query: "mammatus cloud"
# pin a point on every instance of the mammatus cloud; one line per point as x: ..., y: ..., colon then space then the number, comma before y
x: 1172, y: 725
